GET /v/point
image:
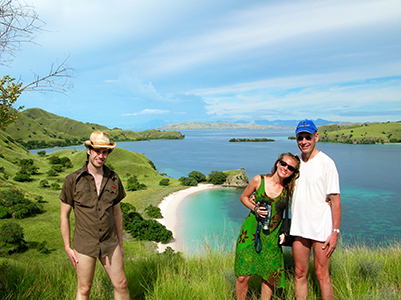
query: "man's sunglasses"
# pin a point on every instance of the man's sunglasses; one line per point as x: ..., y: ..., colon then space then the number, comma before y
x: 306, y: 137
x: 284, y: 164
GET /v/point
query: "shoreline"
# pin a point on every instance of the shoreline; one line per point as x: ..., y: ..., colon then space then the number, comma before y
x: 168, y: 208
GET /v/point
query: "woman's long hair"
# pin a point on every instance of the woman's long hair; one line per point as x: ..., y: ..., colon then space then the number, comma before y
x: 289, y: 182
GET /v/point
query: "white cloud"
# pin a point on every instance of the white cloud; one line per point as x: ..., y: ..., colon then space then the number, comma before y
x: 148, y: 112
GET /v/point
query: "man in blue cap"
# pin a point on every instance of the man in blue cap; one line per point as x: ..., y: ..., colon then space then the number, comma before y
x: 315, y: 224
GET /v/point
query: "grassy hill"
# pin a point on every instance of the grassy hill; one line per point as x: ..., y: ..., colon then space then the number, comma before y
x: 367, y: 133
x: 37, y: 128
x: 357, y: 273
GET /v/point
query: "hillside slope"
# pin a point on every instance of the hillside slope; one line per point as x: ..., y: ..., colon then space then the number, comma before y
x: 367, y: 133
x: 37, y: 128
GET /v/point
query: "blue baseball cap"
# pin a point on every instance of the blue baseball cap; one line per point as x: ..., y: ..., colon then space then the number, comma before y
x: 306, y: 126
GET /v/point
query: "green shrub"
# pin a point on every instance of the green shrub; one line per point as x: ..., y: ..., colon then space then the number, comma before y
x: 44, y: 183
x: 22, y: 177
x: 164, y: 182
x: 198, y: 176
x: 41, y: 153
x: 217, y: 177
x: 17, y: 205
x: 188, y: 181
x: 153, y: 211
x: 11, y: 238
x: 134, y: 185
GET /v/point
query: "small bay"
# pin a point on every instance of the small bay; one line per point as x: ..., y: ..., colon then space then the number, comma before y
x: 369, y: 181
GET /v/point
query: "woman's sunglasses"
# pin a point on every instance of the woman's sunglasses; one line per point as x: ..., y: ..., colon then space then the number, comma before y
x: 284, y: 164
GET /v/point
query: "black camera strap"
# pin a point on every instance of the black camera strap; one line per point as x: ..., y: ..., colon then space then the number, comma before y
x: 258, y: 241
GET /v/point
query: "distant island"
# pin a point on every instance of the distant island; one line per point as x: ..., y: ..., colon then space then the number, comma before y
x: 237, y: 140
x: 218, y: 125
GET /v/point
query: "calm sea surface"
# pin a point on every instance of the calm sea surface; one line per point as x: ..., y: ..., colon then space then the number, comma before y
x: 369, y: 180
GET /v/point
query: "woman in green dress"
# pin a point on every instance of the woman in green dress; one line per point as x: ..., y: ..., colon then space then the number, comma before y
x: 267, y: 262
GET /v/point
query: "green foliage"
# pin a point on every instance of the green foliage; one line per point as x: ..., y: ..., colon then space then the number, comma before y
x: 145, y: 230
x: 27, y: 169
x: 217, y: 177
x: 17, y: 205
x: 22, y: 177
x: 134, y: 185
x: 41, y: 153
x: 42, y: 248
x: 164, y: 182
x: 60, y: 162
x: 153, y: 212
x: 11, y: 238
x: 44, y: 183
x: 198, y: 176
x: 55, y: 186
x: 152, y: 164
x: 9, y: 93
x: 188, y: 181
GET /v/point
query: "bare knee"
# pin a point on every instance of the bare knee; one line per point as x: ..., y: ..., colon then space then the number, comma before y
x: 243, y: 279
x: 121, y: 285
x: 322, y: 275
x: 84, y: 289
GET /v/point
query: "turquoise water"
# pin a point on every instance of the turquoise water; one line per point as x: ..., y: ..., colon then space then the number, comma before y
x: 369, y: 181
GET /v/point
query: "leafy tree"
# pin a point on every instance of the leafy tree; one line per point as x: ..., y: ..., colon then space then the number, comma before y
x: 134, y: 185
x: 41, y: 153
x: 198, y: 176
x: 17, y: 205
x: 164, y: 182
x: 18, y: 24
x: 188, y: 181
x: 217, y: 177
x: 22, y: 177
x: 11, y: 238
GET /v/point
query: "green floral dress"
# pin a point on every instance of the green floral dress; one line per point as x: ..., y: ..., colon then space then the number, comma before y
x: 269, y: 263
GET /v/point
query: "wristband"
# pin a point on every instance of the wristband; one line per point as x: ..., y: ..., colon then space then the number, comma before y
x: 336, y: 230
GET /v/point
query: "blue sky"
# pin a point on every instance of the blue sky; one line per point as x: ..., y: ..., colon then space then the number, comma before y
x: 141, y: 64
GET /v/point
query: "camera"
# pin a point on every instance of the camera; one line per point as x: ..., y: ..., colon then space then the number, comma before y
x: 266, y: 219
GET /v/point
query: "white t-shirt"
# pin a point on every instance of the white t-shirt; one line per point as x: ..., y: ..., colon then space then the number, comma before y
x: 310, y: 214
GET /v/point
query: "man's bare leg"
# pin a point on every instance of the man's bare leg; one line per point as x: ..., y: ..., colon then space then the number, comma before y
x: 322, y: 263
x: 301, y: 250
x: 114, y: 266
x: 85, y: 273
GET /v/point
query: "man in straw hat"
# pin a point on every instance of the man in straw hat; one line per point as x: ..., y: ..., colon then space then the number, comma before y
x: 95, y: 192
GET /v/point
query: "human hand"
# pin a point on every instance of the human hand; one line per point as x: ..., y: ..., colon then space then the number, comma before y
x: 260, y: 211
x: 331, y: 243
x: 73, y: 256
x: 328, y: 200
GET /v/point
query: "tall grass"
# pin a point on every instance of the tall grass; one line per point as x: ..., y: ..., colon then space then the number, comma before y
x: 357, y: 272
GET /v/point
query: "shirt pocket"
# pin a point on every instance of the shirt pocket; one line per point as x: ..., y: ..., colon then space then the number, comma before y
x: 85, y: 196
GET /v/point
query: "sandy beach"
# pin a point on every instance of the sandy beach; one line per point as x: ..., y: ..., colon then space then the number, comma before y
x: 168, y: 208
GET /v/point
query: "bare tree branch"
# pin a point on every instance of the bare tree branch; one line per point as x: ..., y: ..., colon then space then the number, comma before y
x: 58, y: 80
x: 18, y: 24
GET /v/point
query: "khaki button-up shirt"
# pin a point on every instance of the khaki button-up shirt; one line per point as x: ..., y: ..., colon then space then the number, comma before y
x: 95, y: 232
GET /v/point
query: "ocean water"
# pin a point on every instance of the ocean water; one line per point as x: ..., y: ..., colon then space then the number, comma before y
x: 369, y: 181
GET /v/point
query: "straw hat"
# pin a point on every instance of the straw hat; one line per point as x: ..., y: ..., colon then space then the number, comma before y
x: 99, y: 139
